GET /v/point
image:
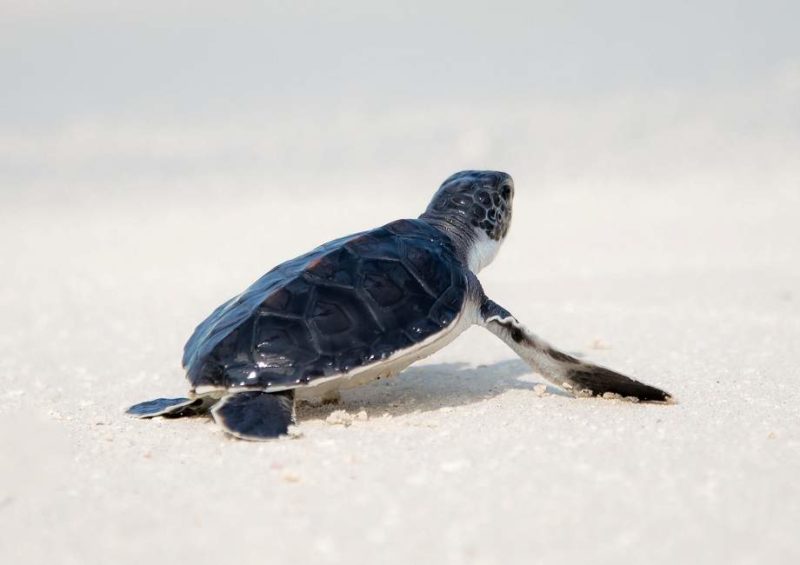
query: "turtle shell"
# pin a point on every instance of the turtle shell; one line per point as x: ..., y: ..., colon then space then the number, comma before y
x: 349, y: 303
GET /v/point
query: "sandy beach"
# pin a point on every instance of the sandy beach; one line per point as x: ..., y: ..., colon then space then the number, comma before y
x: 464, y: 458
x: 157, y: 157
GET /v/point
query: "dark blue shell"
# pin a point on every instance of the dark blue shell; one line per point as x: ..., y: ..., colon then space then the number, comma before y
x: 348, y: 303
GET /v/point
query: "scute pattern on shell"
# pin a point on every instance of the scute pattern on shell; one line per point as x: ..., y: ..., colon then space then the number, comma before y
x: 348, y: 303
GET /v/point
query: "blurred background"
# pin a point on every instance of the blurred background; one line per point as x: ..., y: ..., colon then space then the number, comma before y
x: 104, y: 98
x: 157, y: 156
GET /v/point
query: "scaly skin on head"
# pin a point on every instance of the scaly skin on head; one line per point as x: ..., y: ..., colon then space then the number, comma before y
x: 474, y: 209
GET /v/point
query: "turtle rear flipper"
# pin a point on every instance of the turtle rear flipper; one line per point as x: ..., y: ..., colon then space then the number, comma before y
x: 255, y: 415
x: 171, y: 407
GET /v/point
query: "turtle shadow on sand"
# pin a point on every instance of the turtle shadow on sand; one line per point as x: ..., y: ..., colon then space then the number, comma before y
x: 427, y: 388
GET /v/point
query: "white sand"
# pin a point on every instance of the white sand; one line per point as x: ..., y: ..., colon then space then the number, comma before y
x: 461, y: 459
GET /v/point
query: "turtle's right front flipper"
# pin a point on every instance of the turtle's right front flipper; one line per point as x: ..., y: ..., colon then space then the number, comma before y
x: 171, y: 407
x: 581, y: 378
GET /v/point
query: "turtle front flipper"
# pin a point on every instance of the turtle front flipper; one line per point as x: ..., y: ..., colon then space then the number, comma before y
x: 579, y: 377
x: 171, y: 407
x: 255, y: 415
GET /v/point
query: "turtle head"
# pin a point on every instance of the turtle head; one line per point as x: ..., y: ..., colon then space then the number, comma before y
x: 474, y: 209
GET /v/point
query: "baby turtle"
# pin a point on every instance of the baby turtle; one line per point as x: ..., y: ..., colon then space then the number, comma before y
x: 363, y: 307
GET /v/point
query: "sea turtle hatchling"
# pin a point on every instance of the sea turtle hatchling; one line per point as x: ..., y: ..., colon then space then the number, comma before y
x: 363, y: 307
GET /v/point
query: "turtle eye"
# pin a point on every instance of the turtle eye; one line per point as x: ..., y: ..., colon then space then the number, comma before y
x: 505, y: 192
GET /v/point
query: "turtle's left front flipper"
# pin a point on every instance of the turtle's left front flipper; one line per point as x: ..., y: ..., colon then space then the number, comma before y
x: 171, y: 407
x: 579, y: 377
